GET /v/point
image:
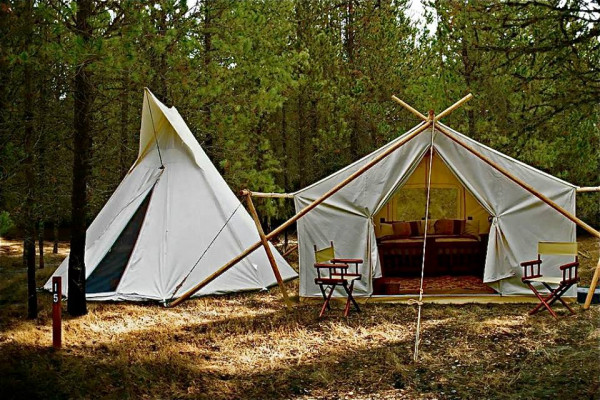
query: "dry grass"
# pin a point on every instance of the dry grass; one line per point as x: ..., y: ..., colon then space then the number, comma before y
x: 250, y: 346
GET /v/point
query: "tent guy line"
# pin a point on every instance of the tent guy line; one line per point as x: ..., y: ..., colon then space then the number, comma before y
x: 422, y: 279
x: 205, y: 250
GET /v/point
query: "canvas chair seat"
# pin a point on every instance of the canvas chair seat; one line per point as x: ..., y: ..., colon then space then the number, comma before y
x: 532, y: 274
x: 547, y: 279
x: 348, y: 277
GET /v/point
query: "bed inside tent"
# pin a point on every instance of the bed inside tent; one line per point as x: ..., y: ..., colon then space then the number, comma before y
x: 456, y: 241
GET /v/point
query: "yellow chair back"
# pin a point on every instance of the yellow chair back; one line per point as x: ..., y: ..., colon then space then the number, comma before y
x: 557, y: 248
x: 324, y: 255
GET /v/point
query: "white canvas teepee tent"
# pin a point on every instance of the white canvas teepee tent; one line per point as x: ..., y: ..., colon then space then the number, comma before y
x: 518, y: 219
x: 172, y: 221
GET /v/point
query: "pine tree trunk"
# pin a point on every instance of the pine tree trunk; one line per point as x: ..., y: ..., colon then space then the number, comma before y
x: 55, y: 232
x: 301, y: 160
x: 82, y: 143
x: 124, y: 137
x: 32, y: 306
x: 29, y: 172
x: 209, y: 139
x: 284, y: 158
x: 350, y: 52
x: 159, y: 61
x: 41, y: 243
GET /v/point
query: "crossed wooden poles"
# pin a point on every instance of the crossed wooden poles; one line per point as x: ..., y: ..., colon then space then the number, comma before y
x: 428, y: 121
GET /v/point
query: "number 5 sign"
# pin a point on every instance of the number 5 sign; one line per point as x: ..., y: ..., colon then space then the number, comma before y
x: 56, y: 312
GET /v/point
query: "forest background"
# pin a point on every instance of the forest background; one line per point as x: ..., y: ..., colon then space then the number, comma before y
x: 283, y: 93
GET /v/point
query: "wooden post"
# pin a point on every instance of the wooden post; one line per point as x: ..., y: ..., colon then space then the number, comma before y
x: 592, y: 289
x: 300, y: 214
x: 520, y: 182
x: 265, y: 244
x: 56, y: 312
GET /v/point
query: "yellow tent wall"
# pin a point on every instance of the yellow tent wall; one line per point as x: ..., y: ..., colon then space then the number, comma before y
x: 467, y: 207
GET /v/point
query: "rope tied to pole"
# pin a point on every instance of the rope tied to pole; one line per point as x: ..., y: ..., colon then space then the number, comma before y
x: 205, y: 251
x: 420, y: 301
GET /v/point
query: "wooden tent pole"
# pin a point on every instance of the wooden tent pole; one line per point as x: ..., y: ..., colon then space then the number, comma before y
x: 265, y: 244
x: 453, y: 107
x: 300, y: 214
x: 520, y: 182
x: 290, y: 250
x: 441, y: 115
x: 409, y: 108
x: 272, y: 195
x: 592, y: 288
x: 586, y: 189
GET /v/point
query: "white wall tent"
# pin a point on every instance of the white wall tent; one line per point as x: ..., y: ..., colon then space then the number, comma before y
x: 164, y: 229
x: 519, y: 219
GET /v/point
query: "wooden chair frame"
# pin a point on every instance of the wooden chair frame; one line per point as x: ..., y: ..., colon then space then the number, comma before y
x: 532, y: 274
x: 336, y: 273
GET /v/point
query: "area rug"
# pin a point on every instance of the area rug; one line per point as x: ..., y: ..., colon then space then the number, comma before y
x: 432, y: 285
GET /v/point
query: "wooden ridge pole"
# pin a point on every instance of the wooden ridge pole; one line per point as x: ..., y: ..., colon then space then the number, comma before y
x: 265, y: 244
x: 272, y: 195
x: 520, y: 182
x: 300, y: 214
x: 585, y: 189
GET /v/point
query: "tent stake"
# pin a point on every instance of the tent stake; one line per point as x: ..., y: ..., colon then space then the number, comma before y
x: 265, y: 244
x: 299, y: 215
x: 520, y: 183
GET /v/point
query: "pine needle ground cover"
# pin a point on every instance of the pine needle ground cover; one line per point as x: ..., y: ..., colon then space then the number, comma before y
x: 251, y: 346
